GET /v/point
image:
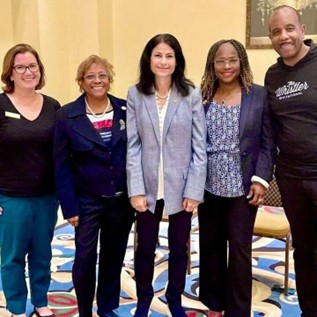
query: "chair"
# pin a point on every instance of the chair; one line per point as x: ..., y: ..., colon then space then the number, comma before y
x: 165, y: 219
x: 273, y: 223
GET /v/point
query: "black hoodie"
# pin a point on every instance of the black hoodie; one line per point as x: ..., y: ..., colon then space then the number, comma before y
x: 292, y: 94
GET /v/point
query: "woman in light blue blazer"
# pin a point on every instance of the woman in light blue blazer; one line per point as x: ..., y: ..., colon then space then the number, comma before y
x: 166, y: 164
x: 241, y: 154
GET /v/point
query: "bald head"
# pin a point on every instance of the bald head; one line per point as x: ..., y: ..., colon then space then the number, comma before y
x: 287, y: 34
x: 286, y: 8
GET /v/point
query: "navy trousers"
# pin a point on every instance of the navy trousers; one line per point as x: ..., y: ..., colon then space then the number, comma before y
x: 226, y: 284
x: 110, y: 220
x: 178, y: 233
x: 299, y: 198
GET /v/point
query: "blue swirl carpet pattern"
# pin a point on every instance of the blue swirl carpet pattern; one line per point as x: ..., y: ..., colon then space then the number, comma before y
x: 268, y: 271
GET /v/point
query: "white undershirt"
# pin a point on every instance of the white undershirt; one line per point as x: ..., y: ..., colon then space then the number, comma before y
x: 161, y: 114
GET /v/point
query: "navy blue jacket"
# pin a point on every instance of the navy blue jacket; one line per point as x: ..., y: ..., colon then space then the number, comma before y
x: 84, y: 163
x: 257, y: 146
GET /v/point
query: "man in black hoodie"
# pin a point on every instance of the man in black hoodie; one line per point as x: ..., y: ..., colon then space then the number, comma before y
x: 292, y: 88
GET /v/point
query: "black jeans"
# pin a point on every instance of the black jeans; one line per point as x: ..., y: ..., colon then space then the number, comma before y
x: 178, y: 233
x: 299, y: 199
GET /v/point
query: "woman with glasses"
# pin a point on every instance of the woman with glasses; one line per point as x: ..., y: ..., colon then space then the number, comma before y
x: 241, y: 154
x: 166, y: 164
x: 28, y: 204
x: 90, y: 160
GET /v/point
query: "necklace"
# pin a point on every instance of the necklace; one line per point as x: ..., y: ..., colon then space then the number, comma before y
x: 230, y: 98
x: 164, y: 100
x: 97, y: 115
x: 158, y: 96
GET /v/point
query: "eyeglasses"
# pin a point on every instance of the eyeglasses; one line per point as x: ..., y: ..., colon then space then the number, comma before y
x: 92, y: 77
x: 223, y: 62
x: 21, y: 69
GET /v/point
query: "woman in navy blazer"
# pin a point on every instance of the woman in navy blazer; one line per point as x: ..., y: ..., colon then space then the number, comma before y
x: 241, y: 155
x: 90, y: 160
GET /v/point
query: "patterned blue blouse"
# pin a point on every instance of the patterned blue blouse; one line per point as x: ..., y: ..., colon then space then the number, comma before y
x: 224, y: 175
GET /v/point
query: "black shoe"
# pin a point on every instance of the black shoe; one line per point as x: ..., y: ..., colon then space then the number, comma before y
x: 142, y: 311
x: 111, y: 313
x: 177, y: 311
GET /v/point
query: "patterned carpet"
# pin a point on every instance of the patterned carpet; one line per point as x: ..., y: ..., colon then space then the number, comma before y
x: 268, y: 270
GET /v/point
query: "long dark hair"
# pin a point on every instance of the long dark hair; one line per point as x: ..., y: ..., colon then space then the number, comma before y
x: 147, y: 79
x: 210, y: 84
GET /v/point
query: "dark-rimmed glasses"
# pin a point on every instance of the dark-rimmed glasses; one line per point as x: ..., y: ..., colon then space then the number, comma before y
x: 21, y: 69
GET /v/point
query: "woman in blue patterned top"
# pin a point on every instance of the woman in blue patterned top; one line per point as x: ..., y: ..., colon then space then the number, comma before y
x: 241, y: 155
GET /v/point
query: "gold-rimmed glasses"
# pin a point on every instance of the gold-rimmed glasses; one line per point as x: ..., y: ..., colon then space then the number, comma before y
x: 229, y: 61
x: 92, y: 77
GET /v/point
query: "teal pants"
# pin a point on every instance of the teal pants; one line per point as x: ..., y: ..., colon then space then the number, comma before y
x: 26, y: 232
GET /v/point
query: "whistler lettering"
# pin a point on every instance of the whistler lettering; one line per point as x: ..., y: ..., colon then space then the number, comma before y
x: 291, y: 89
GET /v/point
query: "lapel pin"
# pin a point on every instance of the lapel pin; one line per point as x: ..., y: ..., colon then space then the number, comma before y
x: 122, y: 125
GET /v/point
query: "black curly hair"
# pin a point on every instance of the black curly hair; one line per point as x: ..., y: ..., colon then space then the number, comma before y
x: 209, y: 82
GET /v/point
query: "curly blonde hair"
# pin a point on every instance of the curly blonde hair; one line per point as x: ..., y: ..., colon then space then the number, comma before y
x: 87, y: 63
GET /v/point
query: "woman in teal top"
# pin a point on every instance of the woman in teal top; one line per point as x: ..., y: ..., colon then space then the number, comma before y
x: 28, y: 203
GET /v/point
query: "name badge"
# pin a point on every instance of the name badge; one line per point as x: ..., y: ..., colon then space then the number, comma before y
x: 12, y: 115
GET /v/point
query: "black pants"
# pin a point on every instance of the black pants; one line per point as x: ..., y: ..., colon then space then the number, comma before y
x: 110, y: 219
x: 178, y: 233
x: 299, y: 199
x: 226, y: 284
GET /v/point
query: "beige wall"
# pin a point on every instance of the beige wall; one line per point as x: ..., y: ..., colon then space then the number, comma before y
x: 67, y: 31
x: 5, y: 27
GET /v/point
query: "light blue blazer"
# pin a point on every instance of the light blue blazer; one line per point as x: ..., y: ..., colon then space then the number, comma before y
x: 184, y: 148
